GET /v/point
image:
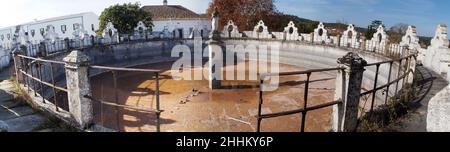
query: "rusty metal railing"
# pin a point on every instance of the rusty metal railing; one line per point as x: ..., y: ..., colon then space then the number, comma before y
x: 30, y: 72
x: 114, y: 71
x: 304, y: 111
x: 401, y: 77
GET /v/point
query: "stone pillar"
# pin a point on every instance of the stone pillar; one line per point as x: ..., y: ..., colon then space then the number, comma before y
x: 348, y: 90
x: 312, y: 37
x: 412, y: 65
x: 448, y: 72
x: 17, y: 62
x: 339, y: 41
x: 78, y: 87
x: 363, y: 43
x: 215, y: 47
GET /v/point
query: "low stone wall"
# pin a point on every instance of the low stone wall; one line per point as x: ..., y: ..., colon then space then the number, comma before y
x: 438, y: 117
x: 313, y: 56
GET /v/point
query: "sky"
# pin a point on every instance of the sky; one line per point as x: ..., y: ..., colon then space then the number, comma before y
x: 424, y: 14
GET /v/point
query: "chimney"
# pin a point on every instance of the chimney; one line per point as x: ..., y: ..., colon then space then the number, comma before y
x: 165, y: 2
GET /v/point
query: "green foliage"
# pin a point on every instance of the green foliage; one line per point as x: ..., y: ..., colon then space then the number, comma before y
x: 124, y: 17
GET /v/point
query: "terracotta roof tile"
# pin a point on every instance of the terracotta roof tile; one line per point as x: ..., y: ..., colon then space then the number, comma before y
x: 160, y: 12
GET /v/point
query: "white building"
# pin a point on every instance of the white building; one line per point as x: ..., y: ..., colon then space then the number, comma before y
x: 178, y: 21
x: 64, y: 27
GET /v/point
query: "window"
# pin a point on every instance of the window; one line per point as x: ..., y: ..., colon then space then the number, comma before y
x: 93, y: 27
x: 75, y: 26
x: 33, y: 32
x: 42, y: 30
x: 63, y: 28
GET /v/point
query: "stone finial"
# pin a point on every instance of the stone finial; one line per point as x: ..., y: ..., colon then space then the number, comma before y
x: 165, y: 2
x: 352, y: 59
x: 77, y: 57
x: 216, y: 12
x: 440, y: 38
x: 215, y: 34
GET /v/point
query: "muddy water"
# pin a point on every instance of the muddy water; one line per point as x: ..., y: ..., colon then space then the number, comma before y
x: 231, y: 109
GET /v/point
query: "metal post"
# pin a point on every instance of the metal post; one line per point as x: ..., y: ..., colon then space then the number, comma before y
x: 305, y: 104
x: 375, y: 87
x: 158, y: 109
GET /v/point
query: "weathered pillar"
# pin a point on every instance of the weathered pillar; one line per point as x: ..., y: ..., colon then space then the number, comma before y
x: 339, y: 40
x: 18, y: 62
x: 412, y: 66
x: 312, y: 37
x: 215, y: 47
x: 78, y: 87
x: 348, y: 90
x: 363, y: 43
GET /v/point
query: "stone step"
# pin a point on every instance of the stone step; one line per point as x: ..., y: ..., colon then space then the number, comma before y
x: 25, y: 124
x: 10, y: 104
x: 7, y: 114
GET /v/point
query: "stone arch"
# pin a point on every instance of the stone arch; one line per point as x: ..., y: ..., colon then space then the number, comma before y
x: 321, y: 34
x: 261, y: 31
x: 110, y: 34
x: 291, y: 32
x: 50, y: 34
x: 141, y: 30
x: 350, y: 37
x: 231, y: 30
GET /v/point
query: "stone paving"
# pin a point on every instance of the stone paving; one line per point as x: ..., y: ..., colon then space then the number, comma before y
x: 18, y: 116
x: 429, y: 84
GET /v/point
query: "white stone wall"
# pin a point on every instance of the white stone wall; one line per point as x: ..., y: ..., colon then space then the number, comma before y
x: 186, y: 27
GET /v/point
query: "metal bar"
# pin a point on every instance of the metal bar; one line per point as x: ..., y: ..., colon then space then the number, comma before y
x: 42, y: 60
x: 116, y: 98
x: 285, y: 113
x: 48, y: 84
x: 399, y: 68
x: 389, y: 80
x: 53, y: 88
x: 384, y: 86
x: 260, y: 104
x: 125, y: 69
x: 299, y: 72
x: 39, y: 72
x: 34, y: 80
x: 305, y: 98
x: 375, y: 87
x: 158, y: 114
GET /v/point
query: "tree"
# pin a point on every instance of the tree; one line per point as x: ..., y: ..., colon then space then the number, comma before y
x: 372, y: 28
x: 399, y: 28
x: 124, y: 17
x: 244, y: 13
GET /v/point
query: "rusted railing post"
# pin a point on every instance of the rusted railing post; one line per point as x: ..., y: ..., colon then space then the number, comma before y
x: 18, y: 62
x: 77, y: 64
x: 348, y: 90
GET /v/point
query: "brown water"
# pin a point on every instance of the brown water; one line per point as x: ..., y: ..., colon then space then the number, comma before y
x: 222, y: 110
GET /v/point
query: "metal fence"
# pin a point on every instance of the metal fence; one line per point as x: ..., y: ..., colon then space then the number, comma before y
x: 306, y: 108
x: 38, y: 75
x: 118, y: 107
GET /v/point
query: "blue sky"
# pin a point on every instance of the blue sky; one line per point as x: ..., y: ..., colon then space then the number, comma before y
x: 425, y: 14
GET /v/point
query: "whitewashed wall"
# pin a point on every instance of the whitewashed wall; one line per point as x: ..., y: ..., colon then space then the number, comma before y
x: 186, y: 25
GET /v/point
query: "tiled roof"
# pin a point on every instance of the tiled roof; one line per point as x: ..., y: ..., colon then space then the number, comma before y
x: 161, y: 12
